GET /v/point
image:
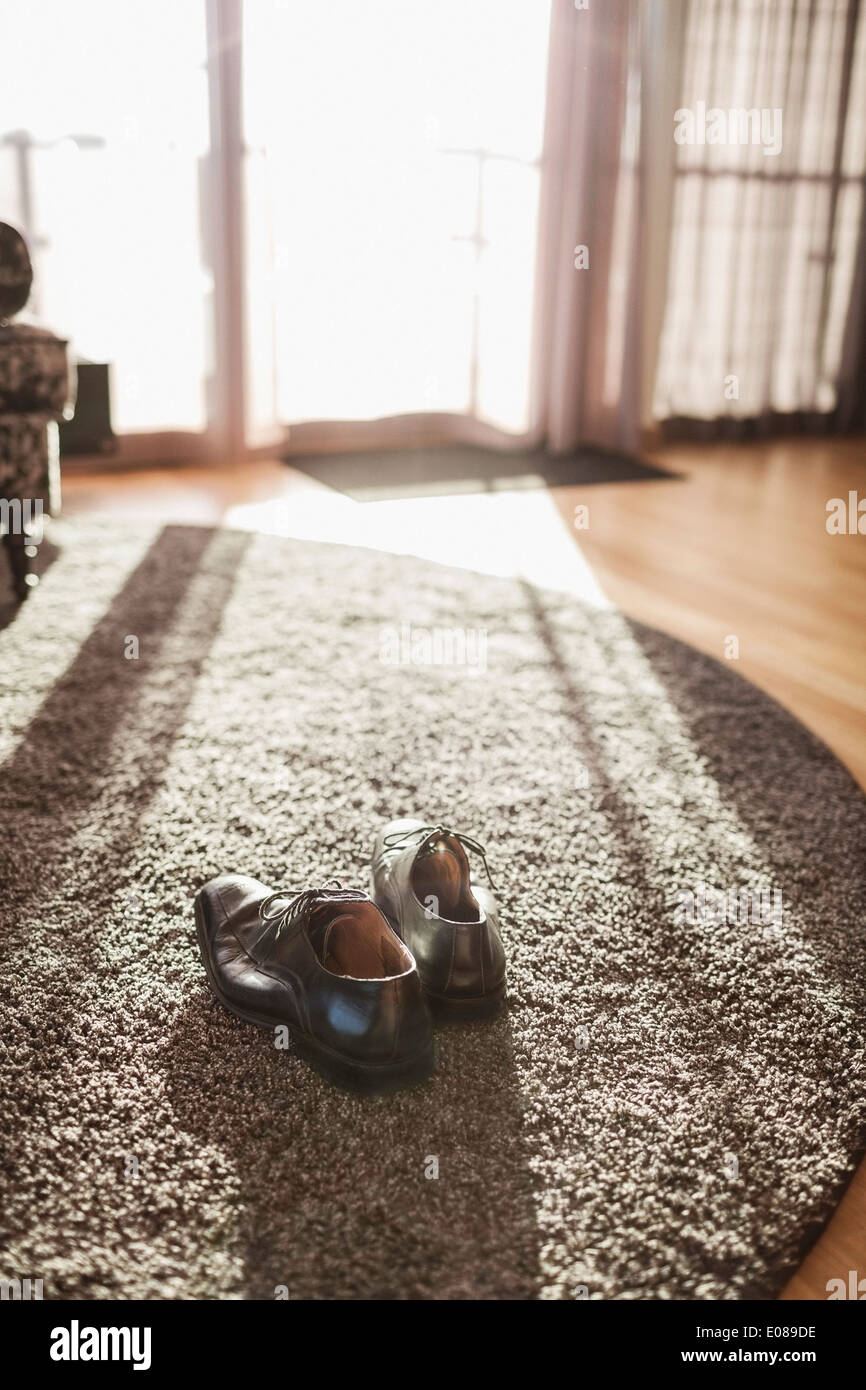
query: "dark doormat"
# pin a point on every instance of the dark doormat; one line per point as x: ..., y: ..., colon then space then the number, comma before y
x: 384, y: 474
x: 670, y: 1103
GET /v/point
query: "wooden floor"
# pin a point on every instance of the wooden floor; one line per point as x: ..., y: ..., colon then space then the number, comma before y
x: 736, y: 547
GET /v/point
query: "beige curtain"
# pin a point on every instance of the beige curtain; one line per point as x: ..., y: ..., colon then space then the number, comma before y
x: 607, y: 168
x: 764, y: 321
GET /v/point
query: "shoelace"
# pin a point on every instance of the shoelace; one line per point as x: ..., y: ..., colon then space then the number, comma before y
x: 298, y: 903
x: 428, y: 832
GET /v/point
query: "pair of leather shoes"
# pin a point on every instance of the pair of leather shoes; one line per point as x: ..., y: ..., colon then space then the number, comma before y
x: 355, y: 976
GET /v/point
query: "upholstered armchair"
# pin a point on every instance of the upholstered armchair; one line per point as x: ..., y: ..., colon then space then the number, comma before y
x: 35, y: 392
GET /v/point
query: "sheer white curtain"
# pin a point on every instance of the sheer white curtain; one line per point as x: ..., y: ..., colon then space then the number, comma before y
x: 764, y: 247
x: 590, y: 282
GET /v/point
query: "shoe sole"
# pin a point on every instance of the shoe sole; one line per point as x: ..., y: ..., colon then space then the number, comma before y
x: 447, y: 1008
x: 361, y: 1078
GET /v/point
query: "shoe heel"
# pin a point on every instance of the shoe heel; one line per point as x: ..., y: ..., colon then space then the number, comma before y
x: 471, y: 1010
x: 363, y: 1079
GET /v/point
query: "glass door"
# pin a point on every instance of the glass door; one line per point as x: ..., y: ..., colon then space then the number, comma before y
x: 104, y: 167
x: 392, y: 175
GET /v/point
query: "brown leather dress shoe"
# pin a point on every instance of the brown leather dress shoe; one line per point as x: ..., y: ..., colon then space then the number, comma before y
x: 422, y: 881
x: 325, y: 963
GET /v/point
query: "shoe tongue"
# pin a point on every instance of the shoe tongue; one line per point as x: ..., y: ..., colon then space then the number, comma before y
x: 442, y: 881
x: 352, y: 939
x: 444, y: 844
x: 320, y: 919
x: 349, y: 948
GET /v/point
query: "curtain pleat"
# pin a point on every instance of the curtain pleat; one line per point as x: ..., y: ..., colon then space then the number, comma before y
x: 588, y: 343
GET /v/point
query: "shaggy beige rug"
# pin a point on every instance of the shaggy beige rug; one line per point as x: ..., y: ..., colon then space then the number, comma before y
x: 676, y: 1093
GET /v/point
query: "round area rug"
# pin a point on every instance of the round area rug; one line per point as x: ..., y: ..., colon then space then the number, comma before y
x: 676, y: 1092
